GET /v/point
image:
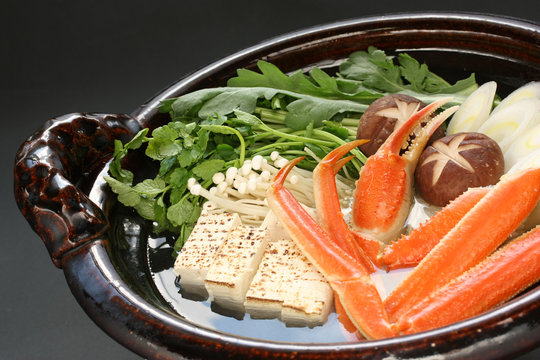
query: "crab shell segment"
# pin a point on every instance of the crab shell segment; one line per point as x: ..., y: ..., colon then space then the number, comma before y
x: 348, y: 277
x: 479, y: 232
x: 383, y: 192
x: 501, y: 276
x: 410, y: 249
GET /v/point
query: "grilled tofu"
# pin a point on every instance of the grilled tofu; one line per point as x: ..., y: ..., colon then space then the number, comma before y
x: 289, y: 287
x: 308, y: 303
x: 229, y: 276
x: 266, y: 293
x: 199, y: 251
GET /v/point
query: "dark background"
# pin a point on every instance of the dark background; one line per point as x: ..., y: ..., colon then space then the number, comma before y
x: 67, y: 56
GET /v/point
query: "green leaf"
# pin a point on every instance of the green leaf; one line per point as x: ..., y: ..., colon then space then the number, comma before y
x: 248, y: 119
x: 137, y: 140
x: 115, y: 168
x: 185, y: 231
x: 183, y: 212
x: 318, y: 83
x: 308, y: 109
x: 203, y: 138
x: 165, y: 132
x: 185, y: 158
x: 375, y: 70
x: 160, y: 148
x: 126, y: 194
x: 145, y: 208
x: 166, y: 165
x: 208, y: 168
x: 188, y: 105
x: 179, y: 178
x: 220, y: 129
x: 226, y: 152
x: 166, y: 105
x: 160, y: 212
x: 176, y: 194
x: 150, y: 187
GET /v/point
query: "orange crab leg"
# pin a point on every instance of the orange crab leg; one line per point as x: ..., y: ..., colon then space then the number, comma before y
x: 343, y: 318
x: 477, y: 234
x: 498, y: 278
x: 384, y: 190
x: 409, y: 250
x: 348, y: 278
x: 327, y: 202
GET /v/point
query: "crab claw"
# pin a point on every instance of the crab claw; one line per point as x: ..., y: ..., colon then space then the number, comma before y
x: 383, y: 192
x: 348, y: 278
x: 483, y: 228
x: 327, y: 202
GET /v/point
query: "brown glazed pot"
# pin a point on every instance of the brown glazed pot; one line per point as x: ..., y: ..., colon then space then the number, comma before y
x: 59, y: 189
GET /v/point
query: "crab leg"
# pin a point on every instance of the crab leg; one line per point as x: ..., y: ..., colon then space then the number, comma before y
x: 348, y: 278
x: 384, y: 190
x: 409, y: 250
x: 327, y: 202
x: 477, y: 234
x: 498, y: 278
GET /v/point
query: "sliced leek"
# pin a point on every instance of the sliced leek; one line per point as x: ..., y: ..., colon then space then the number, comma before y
x: 530, y: 161
x: 508, y: 124
x: 524, y: 145
x: 474, y: 110
x: 527, y: 91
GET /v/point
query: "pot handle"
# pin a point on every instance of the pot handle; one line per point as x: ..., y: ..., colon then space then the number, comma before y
x: 50, y: 172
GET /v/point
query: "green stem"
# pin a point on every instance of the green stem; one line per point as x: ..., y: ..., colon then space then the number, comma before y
x: 280, y: 144
x: 361, y: 157
x: 350, y: 122
x: 271, y: 116
x: 297, y: 138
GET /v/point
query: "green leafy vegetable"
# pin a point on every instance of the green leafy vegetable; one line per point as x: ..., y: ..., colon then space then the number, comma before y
x: 301, y: 110
x: 257, y: 113
x: 318, y: 83
x: 375, y: 70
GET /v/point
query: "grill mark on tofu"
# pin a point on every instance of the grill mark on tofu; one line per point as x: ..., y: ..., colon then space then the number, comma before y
x: 231, y: 272
x: 199, y: 251
x: 288, y: 286
x: 249, y: 269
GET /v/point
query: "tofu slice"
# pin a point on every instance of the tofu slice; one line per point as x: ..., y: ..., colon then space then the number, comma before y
x: 266, y: 293
x: 229, y: 276
x: 307, y: 304
x: 289, y: 287
x: 198, y: 253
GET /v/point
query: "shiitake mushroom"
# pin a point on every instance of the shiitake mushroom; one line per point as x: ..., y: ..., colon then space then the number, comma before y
x: 383, y: 116
x: 454, y: 163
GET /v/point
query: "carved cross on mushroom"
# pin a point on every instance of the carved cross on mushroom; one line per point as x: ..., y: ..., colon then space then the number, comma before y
x: 383, y: 116
x: 454, y: 163
x: 449, y: 152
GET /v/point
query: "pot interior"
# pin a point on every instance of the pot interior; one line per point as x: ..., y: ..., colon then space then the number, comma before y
x: 144, y: 259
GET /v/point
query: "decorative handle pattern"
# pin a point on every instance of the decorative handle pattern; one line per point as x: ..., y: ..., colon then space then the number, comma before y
x: 50, y: 169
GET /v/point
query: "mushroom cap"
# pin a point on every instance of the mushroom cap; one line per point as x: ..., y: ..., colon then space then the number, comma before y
x: 454, y: 163
x: 381, y: 118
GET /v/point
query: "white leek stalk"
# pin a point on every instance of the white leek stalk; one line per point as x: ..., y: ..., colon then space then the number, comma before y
x: 474, y: 110
x: 527, y: 143
x: 508, y: 124
x: 527, y: 91
x: 530, y: 161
